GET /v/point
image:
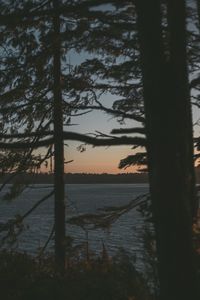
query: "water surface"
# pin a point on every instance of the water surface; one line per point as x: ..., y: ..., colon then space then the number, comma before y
x: 126, y: 232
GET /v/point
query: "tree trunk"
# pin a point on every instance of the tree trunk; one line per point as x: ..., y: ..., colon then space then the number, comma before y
x: 198, y: 11
x: 169, y: 146
x: 58, y: 147
x: 180, y: 86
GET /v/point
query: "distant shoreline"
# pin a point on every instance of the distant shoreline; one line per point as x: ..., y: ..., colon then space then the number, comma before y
x: 79, y: 178
x: 84, y: 178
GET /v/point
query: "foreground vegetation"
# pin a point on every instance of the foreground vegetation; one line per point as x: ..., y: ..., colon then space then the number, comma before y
x: 24, y: 277
x: 86, y: 277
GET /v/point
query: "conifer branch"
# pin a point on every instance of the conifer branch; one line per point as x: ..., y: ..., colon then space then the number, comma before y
x: 73, y: 136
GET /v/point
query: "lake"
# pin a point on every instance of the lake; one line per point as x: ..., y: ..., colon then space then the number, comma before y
x: 126, y: 232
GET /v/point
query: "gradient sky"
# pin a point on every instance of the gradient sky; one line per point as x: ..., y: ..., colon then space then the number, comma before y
x: 96, y: 159
x: 101, y: 159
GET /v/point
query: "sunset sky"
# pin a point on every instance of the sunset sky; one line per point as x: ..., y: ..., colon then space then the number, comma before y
x: 98, y: 159
x: 101, y: 159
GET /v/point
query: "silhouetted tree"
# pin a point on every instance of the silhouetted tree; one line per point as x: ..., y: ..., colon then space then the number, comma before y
x: 32, y: 86
x: 169, y: 144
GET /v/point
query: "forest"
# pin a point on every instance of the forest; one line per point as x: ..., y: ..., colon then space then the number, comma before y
x: 136, y: 63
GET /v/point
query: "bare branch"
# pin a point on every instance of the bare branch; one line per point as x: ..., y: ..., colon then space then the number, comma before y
x: 37, y: 204
x: 47, y: 241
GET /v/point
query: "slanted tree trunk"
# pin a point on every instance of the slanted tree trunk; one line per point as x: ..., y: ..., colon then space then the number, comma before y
x: 58, y: 147
x: 169, y: 146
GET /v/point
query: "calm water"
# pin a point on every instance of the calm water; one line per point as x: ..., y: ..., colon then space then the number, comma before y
x: 81, y: 198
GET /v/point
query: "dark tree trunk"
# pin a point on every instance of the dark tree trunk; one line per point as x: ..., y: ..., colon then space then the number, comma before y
x: 58, y: 148
x: 169, y: 146
x: 198, y: 11
x: 180, y: 86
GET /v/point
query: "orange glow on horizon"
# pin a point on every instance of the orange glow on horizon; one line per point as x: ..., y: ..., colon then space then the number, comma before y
x: 96, y: 160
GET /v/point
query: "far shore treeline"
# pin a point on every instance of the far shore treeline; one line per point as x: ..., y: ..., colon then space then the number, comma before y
x: 73, y: 178
x: 86, y: 178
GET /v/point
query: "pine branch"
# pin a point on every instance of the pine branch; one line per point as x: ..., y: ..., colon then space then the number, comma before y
x: 139, y: 158
x: 73, y: 136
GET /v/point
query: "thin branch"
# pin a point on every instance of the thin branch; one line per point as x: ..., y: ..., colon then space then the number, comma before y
x: 80, y: 114
x: 47, y: 241
x: 114, y: 112
x: 40, y: 6
x: 194, y: 82
x: 68, y: 162
x: 37, y: 204
x: 7, y: 225
x: 13, y: 175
